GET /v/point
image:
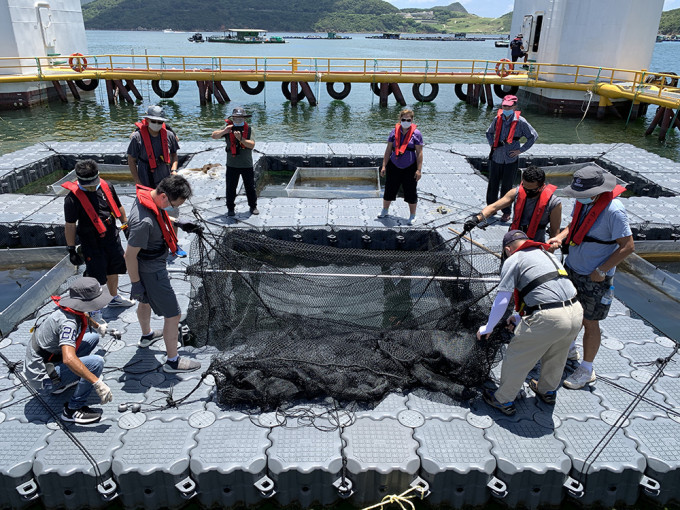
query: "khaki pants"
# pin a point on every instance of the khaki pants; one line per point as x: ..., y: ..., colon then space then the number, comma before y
x: 544, y: 335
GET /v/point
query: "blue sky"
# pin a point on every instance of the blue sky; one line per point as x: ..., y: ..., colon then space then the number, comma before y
x: 488, y: 8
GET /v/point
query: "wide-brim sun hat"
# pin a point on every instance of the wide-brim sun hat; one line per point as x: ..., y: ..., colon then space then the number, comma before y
x: 589, y: 181
x: 155, y: 112
x: 239, y: 111
x: 86, y: 295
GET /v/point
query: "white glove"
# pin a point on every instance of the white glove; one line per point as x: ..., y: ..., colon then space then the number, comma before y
x: 103, y: 391
x: 102, y: 329
x: 514, y: 319
x: 482, y: 331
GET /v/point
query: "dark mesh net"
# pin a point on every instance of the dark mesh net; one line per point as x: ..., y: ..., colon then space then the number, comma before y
x: 300, y: 321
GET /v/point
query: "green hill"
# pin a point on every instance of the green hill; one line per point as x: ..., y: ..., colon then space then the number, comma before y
x: 670, y: 22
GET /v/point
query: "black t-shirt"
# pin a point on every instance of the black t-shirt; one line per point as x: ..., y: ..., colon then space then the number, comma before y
x: 74, y: 212
x: 516, y: 47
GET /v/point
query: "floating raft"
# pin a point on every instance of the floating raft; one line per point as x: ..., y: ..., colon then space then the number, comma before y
x: 455, y: 453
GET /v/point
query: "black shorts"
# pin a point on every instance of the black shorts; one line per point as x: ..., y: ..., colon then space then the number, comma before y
x: 103, y: 258
x: 404, y: 178
x: 589, y: 294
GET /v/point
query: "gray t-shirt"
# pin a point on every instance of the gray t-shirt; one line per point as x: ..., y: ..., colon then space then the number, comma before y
x: 529, y: 211
x: 145, y: 233
x: 60, y: 328
x: 524, y: 266
x: 137, y: 150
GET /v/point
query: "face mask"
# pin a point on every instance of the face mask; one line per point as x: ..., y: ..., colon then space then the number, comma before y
x: 585, y: 201
x: 531, y: 193
x: 406, y: 124
x: 168, y: 208
x: 239, y: 123
x: 508, y: 113
x: 89, y: 188
x: 156, y: 126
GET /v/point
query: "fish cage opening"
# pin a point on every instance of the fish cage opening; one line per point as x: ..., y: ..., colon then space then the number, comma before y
x: 294, y: 320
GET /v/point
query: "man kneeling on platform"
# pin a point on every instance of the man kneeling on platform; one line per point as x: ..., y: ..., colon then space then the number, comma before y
x: 550, y: 319
x: 151, y: 237
x: 59, y: 357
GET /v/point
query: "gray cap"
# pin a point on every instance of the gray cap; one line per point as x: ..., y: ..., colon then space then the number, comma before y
x: 239, y: 111
x: 589, y: 181
x: 155, y: 112
x: 86, y: 295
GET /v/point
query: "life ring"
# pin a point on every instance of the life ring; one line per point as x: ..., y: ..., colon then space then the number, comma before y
x: 253, y: 91
x: 165, y: 94
x: 504, y: 67
x: 77, y: 62
x: 425, y: 99
x: 86, y: 85
x: 330, y: 88
x: 375, y: 87
x: 503, y: 90
x: 458, y: 89
x: 285, y: 88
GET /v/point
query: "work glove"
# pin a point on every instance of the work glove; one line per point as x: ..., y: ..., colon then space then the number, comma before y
x: 189, y: 226
x: 102, y: 329
x: 103, y: 391
x: 137, y: 291
x: 126, y: 231
x: 471, y: 222
x: 75, y: 257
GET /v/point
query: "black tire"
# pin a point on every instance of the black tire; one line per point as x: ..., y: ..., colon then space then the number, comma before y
x: 504, y: 90
x: 165, y: 94
x: 86, y: 85
x: 253, y: 91
x: 375, y: 87
x: 330, y: 88
x: 285, y: 88
x: 422, y: 98
x: 458, y: 89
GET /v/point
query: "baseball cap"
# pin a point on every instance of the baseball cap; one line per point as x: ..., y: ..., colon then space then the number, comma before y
x: 512, y: 236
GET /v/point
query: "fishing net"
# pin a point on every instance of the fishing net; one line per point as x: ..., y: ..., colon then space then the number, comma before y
x: 295, y: 320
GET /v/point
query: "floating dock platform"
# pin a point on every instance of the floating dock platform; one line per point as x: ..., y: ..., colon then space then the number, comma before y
x: 452, y: 453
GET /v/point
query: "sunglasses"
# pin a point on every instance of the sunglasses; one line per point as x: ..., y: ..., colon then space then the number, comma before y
x: 407, y: 120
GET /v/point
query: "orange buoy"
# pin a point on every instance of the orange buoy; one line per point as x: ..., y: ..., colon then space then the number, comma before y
x: 77, y: 62
x: 503, y: 67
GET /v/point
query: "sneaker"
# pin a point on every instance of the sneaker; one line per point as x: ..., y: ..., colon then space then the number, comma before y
x: 383, y: 214
x: 411, y: 221
x: 255, y: 211
x: 181, y: 364
x: 231, y: 212
x: 548, y: 397
x: 573, y: 355
x: 151, y: 338
x: 505, y: 218
x: 180, y: 252
x: 61, y: 389
x: 121, y: 302
x: 81, y: 416
x: 579, y: 379
x: 98, y: 317
x: 507, y: 408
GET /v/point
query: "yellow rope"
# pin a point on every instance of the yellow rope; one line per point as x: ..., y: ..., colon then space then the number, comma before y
x: 400, y: 499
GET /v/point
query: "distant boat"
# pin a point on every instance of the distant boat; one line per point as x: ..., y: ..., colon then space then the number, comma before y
x: 197, y: 37
x: 168, y: 31
x: 245, y: 36
x: 501, y: 44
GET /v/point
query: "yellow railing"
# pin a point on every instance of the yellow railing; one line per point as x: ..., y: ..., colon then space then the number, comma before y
x: 606, y: 81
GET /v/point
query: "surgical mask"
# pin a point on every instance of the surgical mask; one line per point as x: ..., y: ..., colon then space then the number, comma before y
x: 168, y: 208
x: 239, y: 123
x: 86, y: 188
x: 585, y: 201
x: 508, y: 113
x: 406, y: 124
x: 156, y: 126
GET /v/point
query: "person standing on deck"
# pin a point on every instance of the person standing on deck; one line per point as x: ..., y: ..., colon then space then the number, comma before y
x: 503, y: 136
x: 597, y: 240
x: 402, y: 164
x: 517, y: 49
x: 240, y: 144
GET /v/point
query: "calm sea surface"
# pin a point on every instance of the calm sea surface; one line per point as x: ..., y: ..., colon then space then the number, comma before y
x: 358, y: 118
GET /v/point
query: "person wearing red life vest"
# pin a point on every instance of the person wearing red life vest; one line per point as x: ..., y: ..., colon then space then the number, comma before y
x: 548, y: 319
x: 59, y: 354
x: 402, y: 164
x: 152, y: 236
x: 597, y: 239
x: 503, y: 135
x: 240, y: 142
x: 91, y: 209
x: 535, y: 206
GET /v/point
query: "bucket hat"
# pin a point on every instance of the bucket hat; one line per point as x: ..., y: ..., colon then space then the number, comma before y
x: 519, y: 36
x: 86, y: 295
x: 509, y: 100
x: 88, y: 180
x: 589, y: 181
x: 155, y: 112
x: 512, y: 236
x: 239, y: 111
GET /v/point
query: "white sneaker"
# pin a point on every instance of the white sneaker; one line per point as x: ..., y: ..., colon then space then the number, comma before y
x: 574, y: 354
x: 579, y: 379
x: 411, y: 221
x: 121, y: 302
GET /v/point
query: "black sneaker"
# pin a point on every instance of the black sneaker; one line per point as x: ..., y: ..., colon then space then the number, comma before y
x: 231, y: 212
x: 255, y: 211
x: 61, y: 389
x: 151, y: 338
x: 507, y: 408
x: 82, y: 416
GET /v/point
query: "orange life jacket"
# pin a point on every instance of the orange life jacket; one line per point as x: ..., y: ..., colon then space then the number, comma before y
x: 399, y: 144
x: 578, y: 232
x: 144, y: 131
x: 233, y: 142
x: 536, y: 216
x: 169, y: 236
x: 83, y: 318
x: 89, y: 208
x: 499, y: 127
x: 520, y: 294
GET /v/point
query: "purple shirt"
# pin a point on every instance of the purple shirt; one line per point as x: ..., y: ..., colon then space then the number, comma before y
x: 408, y: 158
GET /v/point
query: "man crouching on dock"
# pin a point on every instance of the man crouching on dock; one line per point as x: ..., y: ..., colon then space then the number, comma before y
x: 152, y: 236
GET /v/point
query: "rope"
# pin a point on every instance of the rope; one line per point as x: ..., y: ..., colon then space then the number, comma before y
x: 632, y: 103
x: 403, y: 499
